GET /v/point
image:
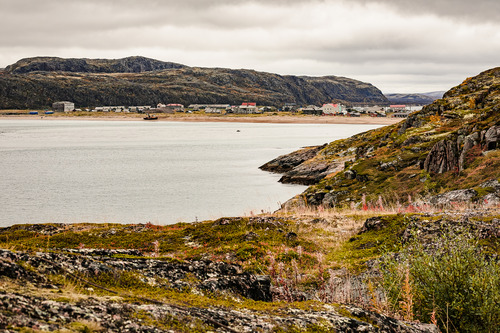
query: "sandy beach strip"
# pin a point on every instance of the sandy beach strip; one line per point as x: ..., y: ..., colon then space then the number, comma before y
x: 274, y: 119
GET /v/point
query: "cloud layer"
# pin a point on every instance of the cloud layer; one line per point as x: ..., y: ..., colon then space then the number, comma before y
x: 399, y: 46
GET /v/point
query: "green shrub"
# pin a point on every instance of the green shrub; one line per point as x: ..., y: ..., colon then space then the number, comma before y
x: 453, y: 284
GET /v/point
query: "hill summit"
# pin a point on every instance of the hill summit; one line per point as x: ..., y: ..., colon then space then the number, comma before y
x: 38, y: 82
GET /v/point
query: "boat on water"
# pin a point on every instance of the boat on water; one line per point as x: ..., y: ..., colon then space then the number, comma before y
x: 151, y: 117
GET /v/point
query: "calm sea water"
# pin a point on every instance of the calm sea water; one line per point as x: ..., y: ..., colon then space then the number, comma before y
x: 138, y: 172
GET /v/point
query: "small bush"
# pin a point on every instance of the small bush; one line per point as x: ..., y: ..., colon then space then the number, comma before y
x: 454, y: 284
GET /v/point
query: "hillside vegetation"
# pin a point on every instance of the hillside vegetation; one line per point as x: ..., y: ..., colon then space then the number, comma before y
x: 38, y: 82
x: 398, y: 233
x: 451, y: 144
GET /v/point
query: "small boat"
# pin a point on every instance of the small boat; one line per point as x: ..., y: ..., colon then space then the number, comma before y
x: 151, y: 117
x: 33, y: 112
x: 49, y: 112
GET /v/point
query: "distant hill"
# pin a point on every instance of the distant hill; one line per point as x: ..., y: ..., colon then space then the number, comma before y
x: 451, y: 144
x: 38, y: 82
x: 422, y: 99
x: 54, y: 64
x: 434, y: 94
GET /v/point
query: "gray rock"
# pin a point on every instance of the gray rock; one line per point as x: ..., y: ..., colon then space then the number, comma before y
x: 251, y: 236
x: 350, y: 174
x: 457, y: 196
x: 443, y: 157
x: 469, y: 142
x: 492, y: 137
x: 287, y: 162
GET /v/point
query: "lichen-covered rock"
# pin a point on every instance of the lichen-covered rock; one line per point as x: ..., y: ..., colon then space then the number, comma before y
x: 20, y: 311
x: 454, y: 197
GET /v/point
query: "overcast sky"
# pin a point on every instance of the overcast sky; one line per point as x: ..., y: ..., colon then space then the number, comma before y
x: 397, y: 45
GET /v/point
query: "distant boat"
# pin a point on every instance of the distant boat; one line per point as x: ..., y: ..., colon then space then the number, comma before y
x: 151, y: 117
x: 33, y: 112
x: 49, y: 112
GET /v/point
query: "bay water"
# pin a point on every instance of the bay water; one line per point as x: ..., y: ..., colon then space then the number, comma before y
x: 138, y: 172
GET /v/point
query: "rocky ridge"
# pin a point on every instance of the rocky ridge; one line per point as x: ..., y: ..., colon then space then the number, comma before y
x: 437, y: 149
x: 49, y: 313
x: 38, y: 82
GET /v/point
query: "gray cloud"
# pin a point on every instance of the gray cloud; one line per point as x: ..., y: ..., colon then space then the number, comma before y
x: 478, y: 10
x: 419, y: 43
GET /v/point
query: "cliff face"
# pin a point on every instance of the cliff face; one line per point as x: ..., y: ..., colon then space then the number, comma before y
x: 38, y: 82
x: 451, y: 144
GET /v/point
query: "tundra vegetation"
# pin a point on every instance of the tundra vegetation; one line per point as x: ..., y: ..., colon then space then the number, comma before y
x: 399, y: 229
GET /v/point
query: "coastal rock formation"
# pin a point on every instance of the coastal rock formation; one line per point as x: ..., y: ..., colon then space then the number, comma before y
x: 38, y: 82
x: 287, y: 162
x: 451, y: 144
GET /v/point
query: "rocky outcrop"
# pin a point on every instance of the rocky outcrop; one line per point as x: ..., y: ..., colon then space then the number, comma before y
x: 310, y: 173
x: 454, y: 197
x: 443, y: 157
x: 456, y: 136
x: 472, y: 221
x: 38, y: 82
x: 287, y: 162
x: 18, y: 311
x: 47, y: 309
x: 492, y: 138
x: 209, y: 276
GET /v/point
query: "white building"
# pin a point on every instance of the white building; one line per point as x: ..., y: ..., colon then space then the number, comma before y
x: 332, y: 108
x: 63, y: 106
x: 246, y: 108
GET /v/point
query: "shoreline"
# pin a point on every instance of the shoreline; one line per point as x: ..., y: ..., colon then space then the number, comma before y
x: 204, y: 118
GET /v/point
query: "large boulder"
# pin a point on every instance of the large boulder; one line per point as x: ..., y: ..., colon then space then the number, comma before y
x: 492, y: 138
x: 443, y: 157
x: 453, y: 197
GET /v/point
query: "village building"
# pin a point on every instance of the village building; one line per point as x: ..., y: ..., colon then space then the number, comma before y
x: 397, y: 108
x: 118, y: 108
x: 210, y: 108
x: 139, y: 108
x: 169, y: 108
x: 63, y: 106
x: 246, y: 108
x: 290, y: 107
x: 331, y: 109
x: 312, y: 109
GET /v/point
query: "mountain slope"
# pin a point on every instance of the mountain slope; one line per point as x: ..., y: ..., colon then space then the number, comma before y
x: 409, y: 99
x: 38, y: 82
x: 450, y: 144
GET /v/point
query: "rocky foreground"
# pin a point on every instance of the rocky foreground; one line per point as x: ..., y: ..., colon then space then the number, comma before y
x: 267, y: 275
x: 30, y: 299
